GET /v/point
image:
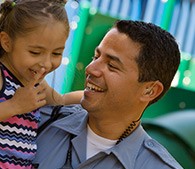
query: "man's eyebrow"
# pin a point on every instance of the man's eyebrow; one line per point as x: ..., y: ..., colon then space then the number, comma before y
x: 97, y: 50
x: 114, y: 58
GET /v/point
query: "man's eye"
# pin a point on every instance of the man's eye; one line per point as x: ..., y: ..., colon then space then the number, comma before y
x: 111, y: 66
x: 95, y: 57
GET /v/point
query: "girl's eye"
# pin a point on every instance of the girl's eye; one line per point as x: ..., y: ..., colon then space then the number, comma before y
x: 34, y: 53
x: 57, y: 54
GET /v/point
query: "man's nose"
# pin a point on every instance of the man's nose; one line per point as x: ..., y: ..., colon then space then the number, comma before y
x: 94, y: 68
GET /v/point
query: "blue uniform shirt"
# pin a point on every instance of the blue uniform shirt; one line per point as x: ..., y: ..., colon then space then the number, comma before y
x: 137, y: 151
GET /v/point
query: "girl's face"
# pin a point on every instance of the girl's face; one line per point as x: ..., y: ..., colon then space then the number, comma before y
x: 42, y: 47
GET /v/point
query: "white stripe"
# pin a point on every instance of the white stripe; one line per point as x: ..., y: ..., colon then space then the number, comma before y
x: 9, y: 92
x: 13, y: 84
x: 11, y: 129
x: 18, y: 144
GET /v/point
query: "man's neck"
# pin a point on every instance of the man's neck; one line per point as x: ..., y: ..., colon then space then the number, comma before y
x: 112, y: 130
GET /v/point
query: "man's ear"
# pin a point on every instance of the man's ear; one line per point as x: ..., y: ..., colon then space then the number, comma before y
x: 5, y: 41
x: 152, y: 90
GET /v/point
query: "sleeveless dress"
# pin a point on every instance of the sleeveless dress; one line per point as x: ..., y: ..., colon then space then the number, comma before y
x: 18, y: 133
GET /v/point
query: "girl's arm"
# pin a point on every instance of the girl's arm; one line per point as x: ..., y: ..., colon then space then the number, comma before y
x: 25, y: 99
x: 54, y: 98
x: 7, y: 110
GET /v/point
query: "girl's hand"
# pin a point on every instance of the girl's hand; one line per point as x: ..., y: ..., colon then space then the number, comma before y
x: 30, y: 97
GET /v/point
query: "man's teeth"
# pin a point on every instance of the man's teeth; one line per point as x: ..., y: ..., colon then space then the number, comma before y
x: 93, y: 87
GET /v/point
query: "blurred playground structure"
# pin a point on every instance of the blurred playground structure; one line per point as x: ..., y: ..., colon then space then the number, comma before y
x: 172, y: 120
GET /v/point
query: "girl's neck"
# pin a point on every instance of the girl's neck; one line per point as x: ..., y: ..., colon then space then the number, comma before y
x: 5, y: 60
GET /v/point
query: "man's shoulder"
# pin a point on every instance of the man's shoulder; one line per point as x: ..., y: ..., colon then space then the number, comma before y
x: 161, y: 153
x: 49, y: 111
x: 62, y: 117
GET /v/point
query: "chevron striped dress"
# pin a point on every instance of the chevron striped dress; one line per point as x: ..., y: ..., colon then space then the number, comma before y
x: 18, y: 133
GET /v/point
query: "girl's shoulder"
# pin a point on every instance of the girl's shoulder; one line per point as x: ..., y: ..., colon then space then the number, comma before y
x: 1, y: 77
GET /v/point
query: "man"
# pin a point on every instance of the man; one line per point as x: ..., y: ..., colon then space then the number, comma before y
x: 133, y: 66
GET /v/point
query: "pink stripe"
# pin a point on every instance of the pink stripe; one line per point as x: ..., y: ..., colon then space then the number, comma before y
x: 3, y: 99
x: 27, y: 123
x: 9, y: 149
x: 12, y: 166
x: 7, y: 74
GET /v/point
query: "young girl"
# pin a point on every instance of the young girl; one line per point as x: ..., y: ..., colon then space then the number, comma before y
x: 32, y: 35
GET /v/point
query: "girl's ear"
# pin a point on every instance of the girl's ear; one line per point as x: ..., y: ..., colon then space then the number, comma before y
x: 5, y: 41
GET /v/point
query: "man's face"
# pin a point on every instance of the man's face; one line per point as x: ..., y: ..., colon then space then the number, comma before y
x: 112, y: 77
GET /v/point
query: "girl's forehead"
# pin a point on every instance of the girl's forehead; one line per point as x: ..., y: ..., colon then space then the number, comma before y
x: 45, y: 27
x: 52, y: 34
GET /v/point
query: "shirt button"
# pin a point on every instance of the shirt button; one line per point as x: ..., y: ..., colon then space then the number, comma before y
x: 150, y: 144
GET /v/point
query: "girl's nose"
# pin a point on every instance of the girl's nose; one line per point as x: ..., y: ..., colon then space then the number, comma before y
x: 47, y: 63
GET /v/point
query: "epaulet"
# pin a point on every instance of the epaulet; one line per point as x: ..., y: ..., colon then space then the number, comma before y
x: 50, y: 114
x: 162, y: 153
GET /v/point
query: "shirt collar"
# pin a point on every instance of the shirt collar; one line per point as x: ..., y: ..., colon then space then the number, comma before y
x: 127, y: 150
